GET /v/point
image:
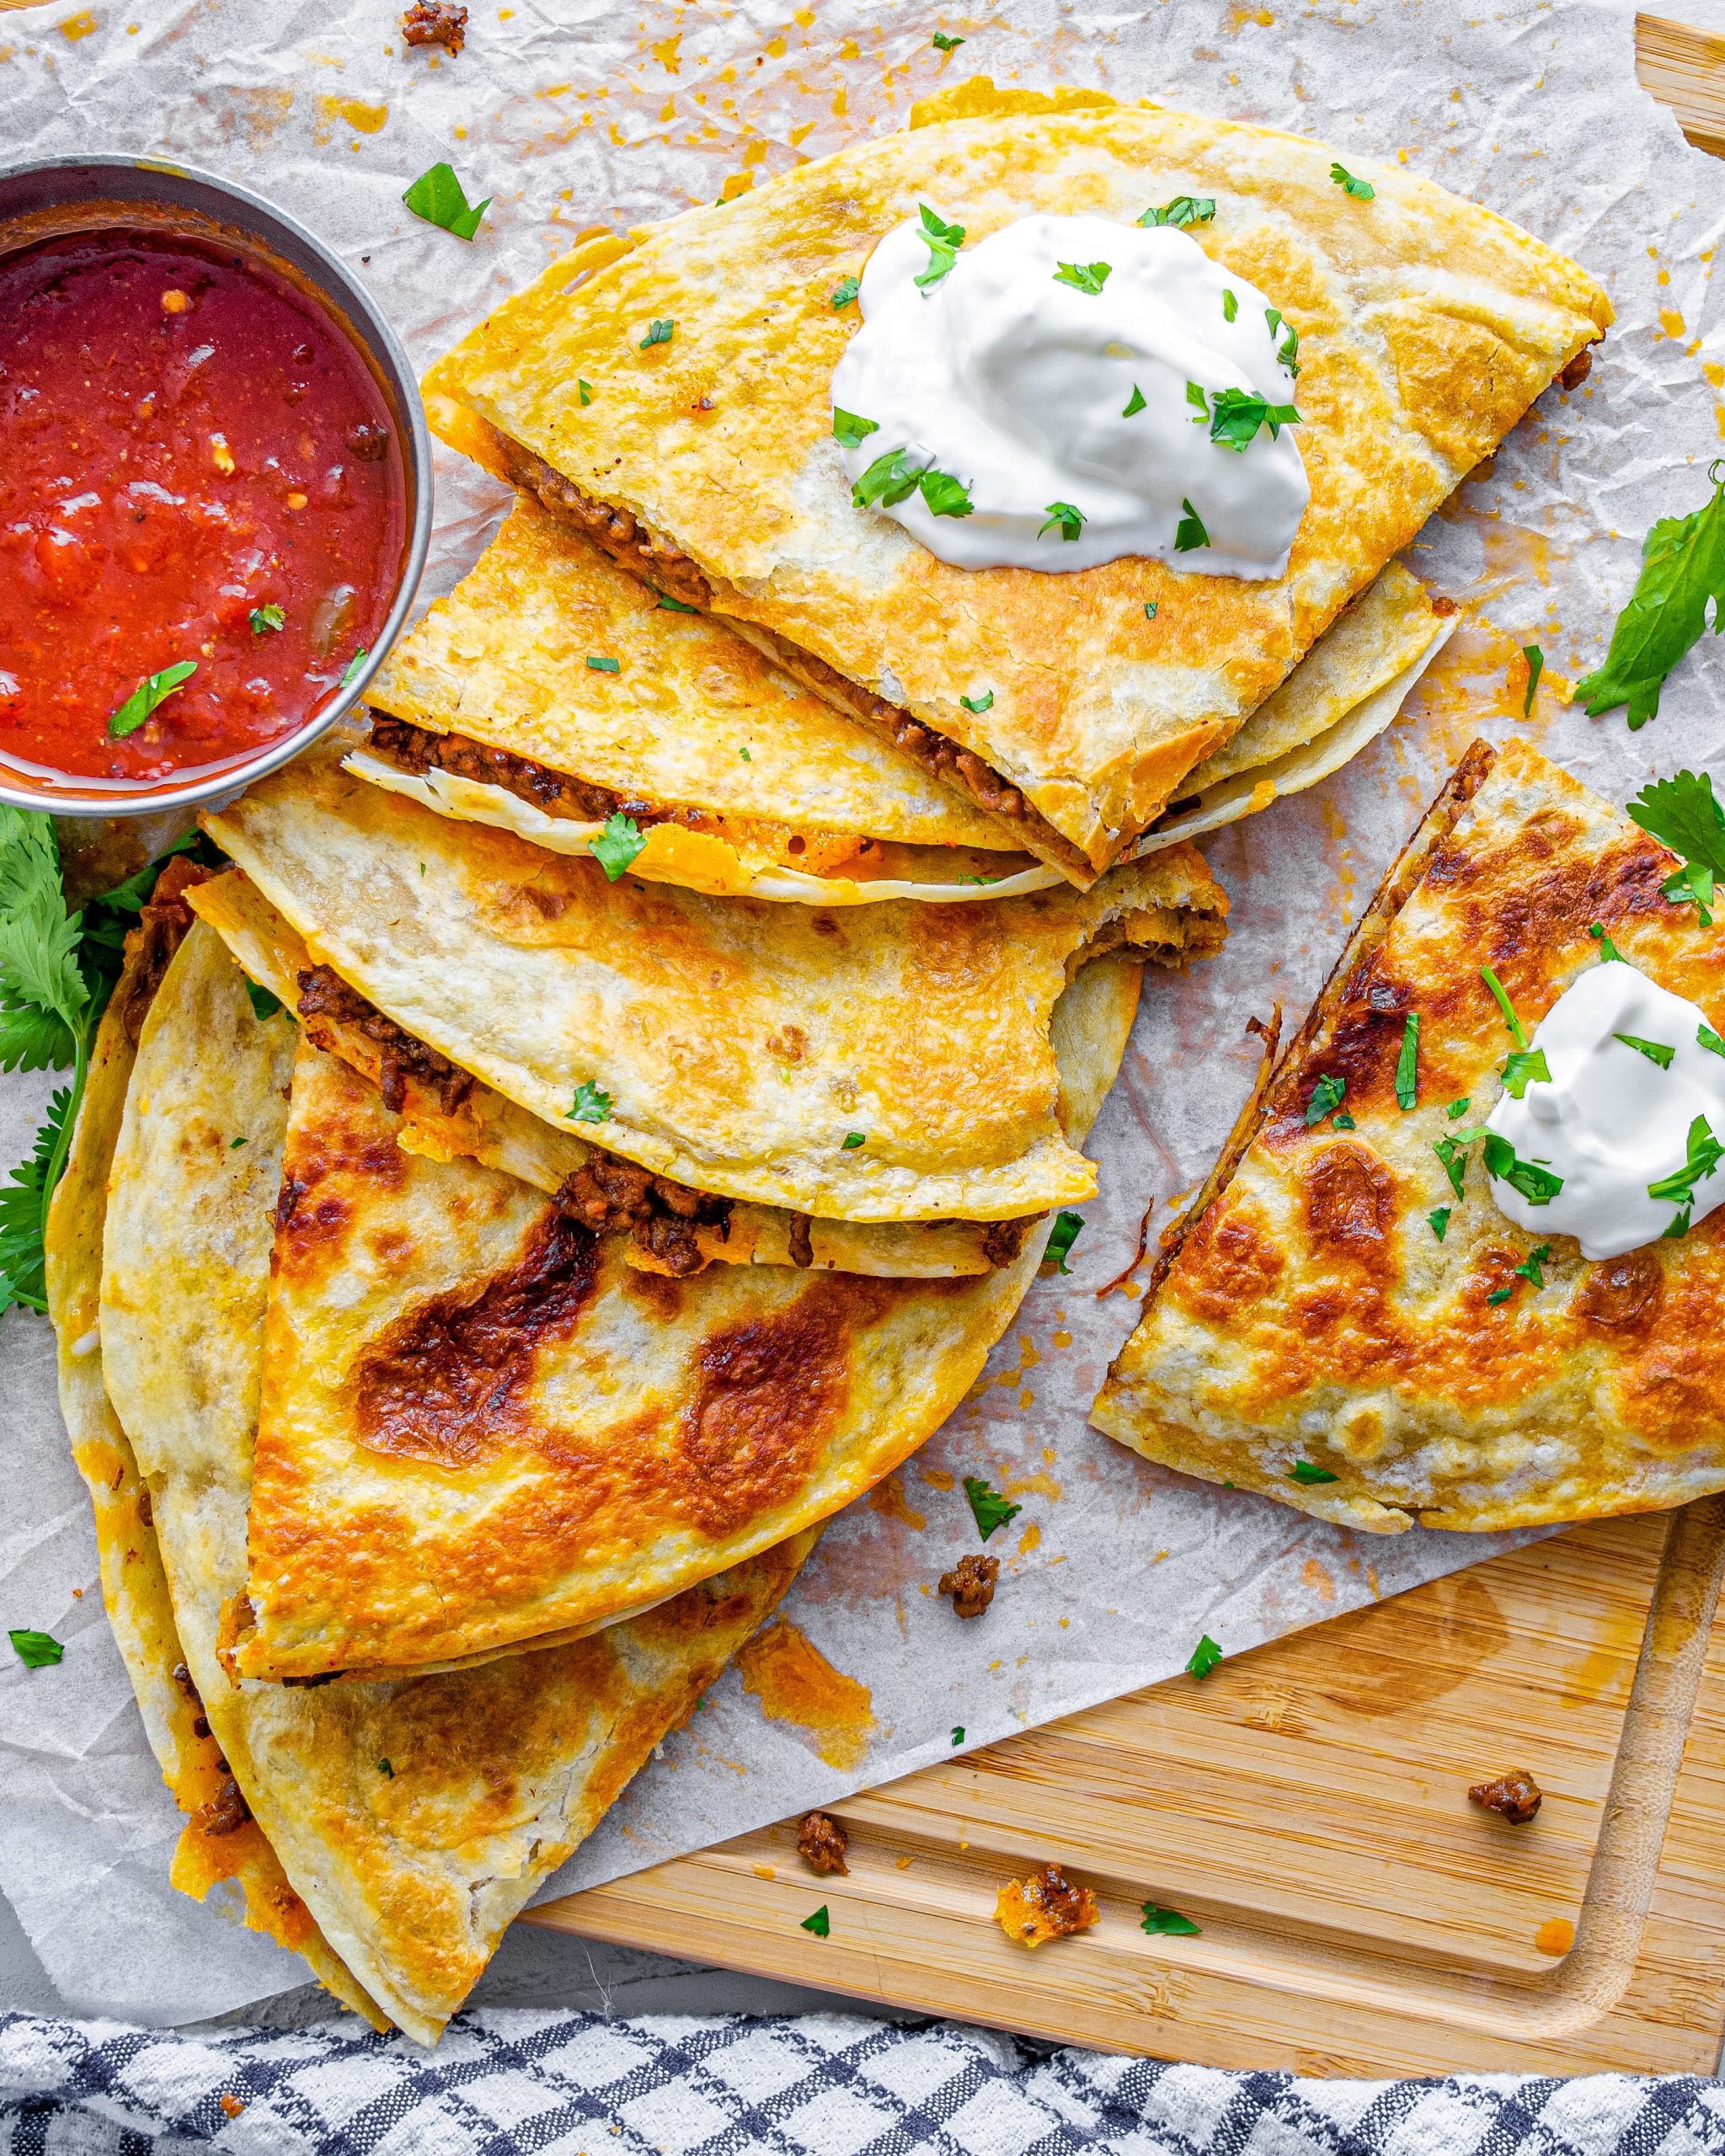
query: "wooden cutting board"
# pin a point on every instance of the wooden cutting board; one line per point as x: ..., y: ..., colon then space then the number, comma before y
x: 1307, y: 1805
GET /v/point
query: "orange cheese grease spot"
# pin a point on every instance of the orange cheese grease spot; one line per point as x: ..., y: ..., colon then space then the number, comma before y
x: 666, y: 54
x: 937, y: 1478
x: 77, y: 26
x: 1029, y: 1538
x: 763, y: 1872
x: 1671, y: 322
x: 1555, y: 1936
x: 1314, y: 1576
x: 794, y: 1682
x: 888, y: 1499
x: 1039, y: 1484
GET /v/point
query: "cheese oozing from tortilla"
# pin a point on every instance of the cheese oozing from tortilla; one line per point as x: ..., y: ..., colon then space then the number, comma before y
x: 1613, y: 1119
x: 1091, y: 387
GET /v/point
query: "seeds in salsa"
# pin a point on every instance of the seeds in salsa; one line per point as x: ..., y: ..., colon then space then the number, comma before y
x: 202, y: 506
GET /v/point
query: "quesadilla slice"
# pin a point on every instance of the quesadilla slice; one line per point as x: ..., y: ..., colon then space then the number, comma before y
x: 1072, y: 703
x: 479, y: 1428
x: 387, y: 1831
x: 1350, y: 1318
x: 692, y: 760
x: 885, y: 1063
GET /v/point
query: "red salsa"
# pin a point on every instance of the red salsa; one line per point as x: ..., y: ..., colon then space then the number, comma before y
x: 199, y: 482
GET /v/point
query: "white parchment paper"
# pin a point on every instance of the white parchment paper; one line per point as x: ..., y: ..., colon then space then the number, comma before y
x: 573, y: 114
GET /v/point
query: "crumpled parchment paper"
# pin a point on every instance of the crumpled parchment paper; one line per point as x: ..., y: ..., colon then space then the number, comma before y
x: 572, y: 114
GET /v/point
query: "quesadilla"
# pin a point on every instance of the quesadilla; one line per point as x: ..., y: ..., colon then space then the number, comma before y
x: 387, y: 1832
x: 480, y: 1428
x: 1072, y: 704
x: 555, y: 695
x: 887, y: 1062
x: 1345, y: 1319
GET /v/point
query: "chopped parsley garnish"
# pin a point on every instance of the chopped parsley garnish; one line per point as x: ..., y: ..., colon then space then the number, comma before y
x: 1070, y: 520
x: 944, y: 242
x: 1704, y: 1155
x: 1654, y: 1051
x: 1362, y: 190
x: 1608, y: 949
x: 1501, y: 1294
x: 1061, y: 1237
x: 1326, y: 1098
x: 1457, y: 1109
x: 1525, y: 1067
x: 439, y: 198
x: 658, y: 332
x: 263, y: 619
x: 1437, y: 1220
x: 958, y: 1733
x: 1289, y: 356
x: 601, y: 665
x: 617, y: 845
x: 1538, y: 1185
x: 820, y: 1924
x: 234, y: 1144
x: 1200, y: 403
x: 1683, y: 812
x: 888, y: 481
x: 1084, y: 276
x: 1184, y: 211
x: 675, y: 606
x: 942, y: 43
x: 1536, y: 666
x: 354, y: 667
x: 1407, y: 1064
x: 264, y: 1005
x: 585, y: 390
x: 1189, y: 532
x: 36, y: 1650
x: 152, y: 690
x: 746, y: 756
x: 850, y: 430
x: 1682, y: 568
x: 844, y: 292
x: 1305, y: 1472
x: 1205, y: 1656
x: 384, y: 1767
x: 1452, y: 1152
x: 591, y: 1104
x: 1503, y: 1004
x: 853, y: 1138
x: 1149, y: 609
x: 1236, y: 415
x: 978, y: 704
x: 1231, y: 306
x: 1133, y: 404
x: 1530, y: 1266
x: 1343, y: 1121
x: 988, y: 1507
x: 1169, y: 1922
x: 1705, y: 1036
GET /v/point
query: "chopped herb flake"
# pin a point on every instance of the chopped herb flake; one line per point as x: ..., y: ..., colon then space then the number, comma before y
x: 1457, y: 1109
x: 676, y: 605
x: 591, y: 1104
x: 263, y: 619
x: 659, y: 333
x: 1362, y: 190
x: 1326, y: 1098
x: 1704, y: 1155
x: 600, y: 664
x: 1184, y: 211
x: 745, y: 756
x: 1608, y: 949
x: 1437, y: 1220
x: 853, y: 1138
x: 888, y: 481
x: 958, y: 1733
x: 988, y: 1507
x: 1168, y: 1922
x: 1682, y: 813
x: 36, y: 1650
x: 1289, y: 356
x: 820, y: 1924
x: 1237, y: 415
x: 1682, y: 568
x: 439, y: 199
x: 152, y: 690
x: 1149, y: 609
x: 585, y: 391
x: 851, y: 430
x: 1231, y: 306
x: 1196, y: 397
x: 617, y: 845
x: 1500, y: 1295
x: 1205, y: 1656
x: 1536, y: 666
x: 1407, y: 1064
x: 944, y: 242
x: 1706, y: 1037
x: 943, y: 495
x: 1510, y: 1020
x: 1453, y: 1153
x: 1061, y: 1237
x: 264, y: 1005
x: 1189, y: 533
x: 1070, y: 521
x: 1133, y: 404
x: 1537, y: 1184
x: 1530, y: 1266
x: 1523, y: 1067
x: 1084, y: 276
x: 942, y: 43
x: 1343, y: 1121
x: 354, y: 667
x: 978, y: 704
x: 234, y: 1144
x: 844, y: 292
x: 384, y: 1767
x: 1306, y: 1473
x: 1654, y: 1051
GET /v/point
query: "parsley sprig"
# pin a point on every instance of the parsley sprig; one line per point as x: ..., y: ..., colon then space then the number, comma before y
x: 1682, y: 568
x: 1084, y: 276
x: 1236, y: 416
x: 439, y: 197
x: 1704, y: 1155
x: 1061, y: 1237
x: 1683, y: 812
x: 944, y: 242
x: 889, y: 481
x: 1526, y: 1065
x: 1184, y: 211
x: 988, y: 1507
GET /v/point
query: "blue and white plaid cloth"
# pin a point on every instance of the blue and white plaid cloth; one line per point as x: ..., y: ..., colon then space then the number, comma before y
x: 512, y: 2083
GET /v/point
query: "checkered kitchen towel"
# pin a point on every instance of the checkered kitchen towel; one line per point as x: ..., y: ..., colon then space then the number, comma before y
x: 505, y: 2083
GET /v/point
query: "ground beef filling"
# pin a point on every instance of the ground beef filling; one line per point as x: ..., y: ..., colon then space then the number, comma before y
x: 323, y: 993
x: 163, y: 923
x: 614, y: 1197
x: 668, y: 569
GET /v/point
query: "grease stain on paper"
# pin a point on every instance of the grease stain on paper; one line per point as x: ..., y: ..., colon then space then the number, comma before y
x: 794, y: 1682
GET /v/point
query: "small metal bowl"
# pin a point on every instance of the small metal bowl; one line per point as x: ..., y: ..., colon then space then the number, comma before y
x: 48, y: 197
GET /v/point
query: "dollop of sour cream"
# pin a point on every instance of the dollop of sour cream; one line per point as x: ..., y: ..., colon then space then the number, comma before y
x: 1613, y: 1119
x: 1074, y: 365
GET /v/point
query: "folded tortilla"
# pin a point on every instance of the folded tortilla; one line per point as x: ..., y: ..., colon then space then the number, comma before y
x: 1427, y: 326
x: 493, y: 716
x: 1305, y: 1309
x: 885, y: 1063
x: 387, y: 1831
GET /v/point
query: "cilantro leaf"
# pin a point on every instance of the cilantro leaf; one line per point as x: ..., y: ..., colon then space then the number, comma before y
x: 617, y: 845
x: 1705, y: 1036
x: 844, y: 292
x: 1205, y: 1656
x: 853, y: 1140
x: 1684, y: 813
x: 1501, y: 1294
x: 889, y: 481
x: 1149, y: 609
x: 658, y: 332
x: 1196, y: 397
x: 1343, y: 1122
x: 36, y: 1650
x: 675, y: 606
x: 598, y: 663
x: 820, y: 1924
x: 978, y: 704
x: 264, y: 1005
x: 1704, y: 1155
x: 351, y: 671
x: 1306, y: 1473
x: 1061, y: 1237
x: 23, y: 1199
x: 1084, y: 276
x: 850, y: 430
x: 1523, y: 1068
x: 1504, y: 1005
x: 1189, y: 533
x: 1453, y: 1154
x: 1437, y: 1220
x: 944, y: 242
x: 988, y: 1507
x: 1538, y: 1185
x: 1326, y: 1098
x: 152, y: 690
x: 1682, y: 568
x: 439, y: 197
x: 1608, y: 949
x: 1536, y: 666
x: 1168, y: 1922
x: 1237, y: 415
x: 1184, y: 211
x: 1133, y: 404
x: 591, y: 1104
x: 1530, y: 1266
x: 942, y: 43
x: 1654, y: 1051
x: 1457, y: 1109
x: 1289, y: 356
x: 1407, y: 1064
x: 1362, y: 190
x: 1070, y: 520
x: 583, y: 389
x: 958, y: 1733
x: 1231, y: 306
x: 263, y: 619
x: 943, y: 494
